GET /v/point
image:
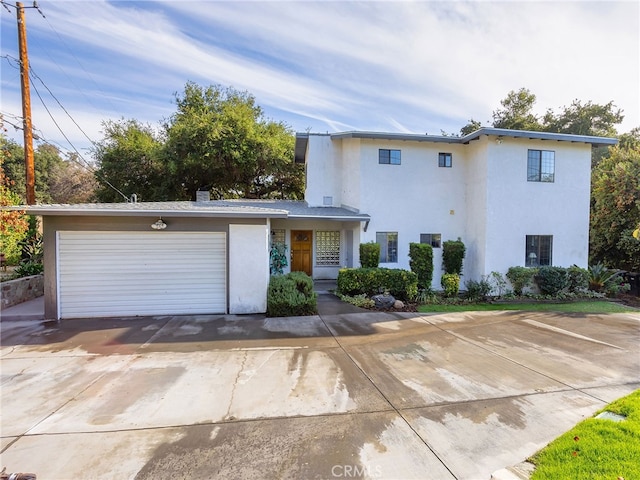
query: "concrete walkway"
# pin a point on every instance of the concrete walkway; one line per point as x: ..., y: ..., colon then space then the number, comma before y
x: 337, y: 395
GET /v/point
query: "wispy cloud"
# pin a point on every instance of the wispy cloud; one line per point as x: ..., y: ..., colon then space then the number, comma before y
x: 398, y: 66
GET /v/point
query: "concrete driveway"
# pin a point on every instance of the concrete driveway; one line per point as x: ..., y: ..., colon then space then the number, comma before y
x: 356, y: 395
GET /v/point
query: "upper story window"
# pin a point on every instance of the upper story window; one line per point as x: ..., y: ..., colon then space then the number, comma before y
x: 445, y: 160
x: 433, y: 239
x: 388, y: 157
x: 388, y: 246
x: 538, y: 250
x: 541, y: 165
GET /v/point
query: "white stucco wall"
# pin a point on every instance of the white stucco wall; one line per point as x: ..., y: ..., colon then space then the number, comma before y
x: 517, y: 207
x: 414, y: 197
x: 484, y: 199
x: 248, y: 268
x: 324, y: 173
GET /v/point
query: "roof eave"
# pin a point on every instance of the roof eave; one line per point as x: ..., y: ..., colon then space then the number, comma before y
x: 99, y: 212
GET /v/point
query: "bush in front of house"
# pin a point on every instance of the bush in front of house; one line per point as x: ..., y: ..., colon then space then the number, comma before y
x: 421, y: 263
x: 552, y: 280
x: 578, y: 279
x: 369, y: 255
x: 452, y: 256
x: 478, y: 290
x: 291, y: 295
x: 450, y: 284
x: 520, y: 278
x: 402, y: 284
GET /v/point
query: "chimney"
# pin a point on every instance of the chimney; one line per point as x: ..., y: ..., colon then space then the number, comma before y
x: 203, y: 196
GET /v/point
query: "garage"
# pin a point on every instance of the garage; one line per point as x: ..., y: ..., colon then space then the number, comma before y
x: 125, y: 273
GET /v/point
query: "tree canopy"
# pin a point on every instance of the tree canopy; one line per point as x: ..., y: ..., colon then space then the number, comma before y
x: 57, y: 179
x: 615, y: 209
x: 517, y: 113
x: 218, y: 140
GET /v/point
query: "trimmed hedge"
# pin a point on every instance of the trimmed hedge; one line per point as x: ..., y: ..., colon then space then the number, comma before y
x: 402, y: 284
x: 578, y: 278
x: 452, y: 256
x: 552, y: 280
x: 370, y: 255
x: 450, y: 284
x: 291, y: 295
x: 520, y: 278
x: 421, y: 263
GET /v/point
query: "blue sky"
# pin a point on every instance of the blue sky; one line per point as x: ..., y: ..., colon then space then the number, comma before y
x: 418, y: 67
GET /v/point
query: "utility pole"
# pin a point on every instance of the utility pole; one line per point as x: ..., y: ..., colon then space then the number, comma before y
x: 26, y: 106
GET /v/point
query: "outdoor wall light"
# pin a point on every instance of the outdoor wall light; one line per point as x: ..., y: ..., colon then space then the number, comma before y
x: 159, y: 225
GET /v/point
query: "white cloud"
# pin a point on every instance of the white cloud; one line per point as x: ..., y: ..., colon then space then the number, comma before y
x: 397, y: 66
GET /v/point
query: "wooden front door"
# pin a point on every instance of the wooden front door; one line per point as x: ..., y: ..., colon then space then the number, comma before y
x: 301, y: 243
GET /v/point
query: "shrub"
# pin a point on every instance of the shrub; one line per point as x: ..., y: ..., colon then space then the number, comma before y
x: 520, y: 278
x: 421, y: 263
x: 369, y: 255
x: 291, y: 295
x: 498, y: 283
x: 278, y: 258
x: 552, y: 280
x: 27, y: 268
x: 361, y: 300
x: 578, y: 279
x: 478, y: 290
x: 452, y: 256
x: 402, y: 284
x: 450, y: 284
x: 606, y: 280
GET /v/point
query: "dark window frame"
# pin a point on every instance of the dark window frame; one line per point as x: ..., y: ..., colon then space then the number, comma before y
x: 538, y: 250
x: 389, y: 156
x: 433, y: 239
x: 445, y: 159
x: 541, y: 166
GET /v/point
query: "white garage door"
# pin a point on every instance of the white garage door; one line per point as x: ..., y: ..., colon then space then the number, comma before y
x: 106, y: 274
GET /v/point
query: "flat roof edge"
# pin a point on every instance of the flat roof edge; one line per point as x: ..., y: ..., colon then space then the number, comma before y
x: 501, y: 132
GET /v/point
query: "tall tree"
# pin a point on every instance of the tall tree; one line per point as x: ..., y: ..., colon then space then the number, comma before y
x: 615, y: 210
x: 70, y: 182
x: 46, y: 158
x: 517, y: 112
x: 13, y: 224
x: 220, y: 140
x: 130, y: 161
x: 588, y: 119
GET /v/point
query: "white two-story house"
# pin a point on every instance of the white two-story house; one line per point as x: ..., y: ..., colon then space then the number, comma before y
x: 513, y: 198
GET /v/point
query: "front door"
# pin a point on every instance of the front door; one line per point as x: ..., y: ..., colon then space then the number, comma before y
x: 301, y: 251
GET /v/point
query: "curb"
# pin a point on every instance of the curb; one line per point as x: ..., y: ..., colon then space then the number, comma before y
x: 521, y: 471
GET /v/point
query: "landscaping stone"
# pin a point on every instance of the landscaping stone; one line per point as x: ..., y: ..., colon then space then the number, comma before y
x: 383, y: 301
x: 398, y: 304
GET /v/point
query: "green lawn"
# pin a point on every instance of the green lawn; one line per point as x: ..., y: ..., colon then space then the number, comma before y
x: 575, y: 307
x: 596, y: 449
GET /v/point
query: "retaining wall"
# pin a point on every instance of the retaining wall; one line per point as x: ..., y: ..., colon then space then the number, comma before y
x: 21, y: 290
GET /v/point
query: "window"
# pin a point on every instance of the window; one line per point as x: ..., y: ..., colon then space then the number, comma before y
x: 388, y: 246
x: 327, y: 248
x: 445, y: 160
x: 433, y: 239
x: 538, y: 250
x: 388, y: 157
x: 541, y: 166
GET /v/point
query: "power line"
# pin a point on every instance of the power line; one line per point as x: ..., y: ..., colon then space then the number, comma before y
x: 73, y: 146
x: 104, y: 180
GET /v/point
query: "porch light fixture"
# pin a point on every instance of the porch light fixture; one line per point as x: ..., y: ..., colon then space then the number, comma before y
x: 159, y: 225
